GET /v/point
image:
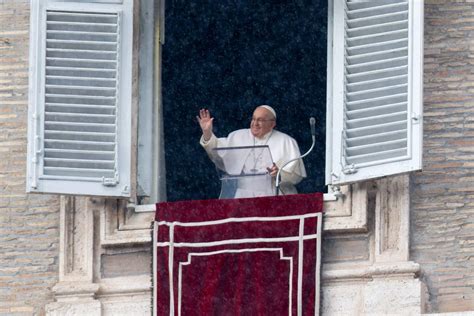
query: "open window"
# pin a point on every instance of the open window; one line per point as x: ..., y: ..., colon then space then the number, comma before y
x: 80, y: 132
x: 230, y: 58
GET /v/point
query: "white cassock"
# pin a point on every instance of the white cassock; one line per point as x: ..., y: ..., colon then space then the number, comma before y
x: 282, y: 147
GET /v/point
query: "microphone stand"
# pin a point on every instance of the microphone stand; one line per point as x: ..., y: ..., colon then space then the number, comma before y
x: 312, y: 123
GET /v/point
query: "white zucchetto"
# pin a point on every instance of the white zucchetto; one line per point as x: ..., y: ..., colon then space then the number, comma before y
x: 269, y: 108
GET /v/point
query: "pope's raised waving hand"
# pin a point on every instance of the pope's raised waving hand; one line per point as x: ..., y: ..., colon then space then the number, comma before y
x: 205, y: 121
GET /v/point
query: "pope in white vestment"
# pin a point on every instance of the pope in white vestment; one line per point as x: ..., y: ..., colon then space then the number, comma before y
x: 283, y: 148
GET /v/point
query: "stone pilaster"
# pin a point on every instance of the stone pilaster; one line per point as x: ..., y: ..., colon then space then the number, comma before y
x: 392, y: 220
x: 75, y: 292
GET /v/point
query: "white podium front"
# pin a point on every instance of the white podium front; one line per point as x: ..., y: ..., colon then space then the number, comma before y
x: 243, y: 171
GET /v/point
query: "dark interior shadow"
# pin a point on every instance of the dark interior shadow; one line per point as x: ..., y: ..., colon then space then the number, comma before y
x: 230, y: 56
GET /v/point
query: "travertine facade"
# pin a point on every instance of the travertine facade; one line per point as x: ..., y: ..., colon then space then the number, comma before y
x: 74, y: 255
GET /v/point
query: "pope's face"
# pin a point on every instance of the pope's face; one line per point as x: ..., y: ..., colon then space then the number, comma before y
x: 262, y: 122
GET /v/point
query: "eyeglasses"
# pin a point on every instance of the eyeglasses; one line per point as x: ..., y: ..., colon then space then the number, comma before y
x: 260, y: 120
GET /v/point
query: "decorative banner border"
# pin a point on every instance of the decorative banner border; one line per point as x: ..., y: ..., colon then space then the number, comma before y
x: 164, y: 239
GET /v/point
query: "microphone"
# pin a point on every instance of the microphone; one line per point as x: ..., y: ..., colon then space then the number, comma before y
x: 312, y: 123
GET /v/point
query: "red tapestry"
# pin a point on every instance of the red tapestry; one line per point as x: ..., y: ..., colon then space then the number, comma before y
x: 258, y: 256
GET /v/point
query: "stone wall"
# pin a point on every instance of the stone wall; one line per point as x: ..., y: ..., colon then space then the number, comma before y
x: 442, y: 212
x: 29, y: 233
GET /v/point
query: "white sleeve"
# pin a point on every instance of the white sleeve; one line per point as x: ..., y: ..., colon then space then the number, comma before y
x: 295, y: 171
x: 290, y: 177
x: 209, y: 145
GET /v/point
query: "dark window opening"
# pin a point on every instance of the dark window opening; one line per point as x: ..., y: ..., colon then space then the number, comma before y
x: 229, y: 57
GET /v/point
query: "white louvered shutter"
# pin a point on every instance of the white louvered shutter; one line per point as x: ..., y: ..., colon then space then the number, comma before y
x: 80, y: 98
x: 374, y: 89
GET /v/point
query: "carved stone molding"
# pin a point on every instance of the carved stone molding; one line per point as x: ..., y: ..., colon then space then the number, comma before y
x: 335, y: 273
x: 122, y: 225
x: 349, y: 212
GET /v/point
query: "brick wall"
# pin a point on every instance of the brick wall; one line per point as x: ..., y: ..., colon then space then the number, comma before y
x: 442, y: 239
x: 29, y: 235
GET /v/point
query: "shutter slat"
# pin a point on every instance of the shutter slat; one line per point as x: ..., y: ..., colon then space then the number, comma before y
x: 389, y: 154
x: 82, y: 17
x: 376, y: 47
x: 80, y: 108
x: 77, y: 127
x: 82, y: 27
x: 356, y: 5
x: 377, y: 38
x: 81, y: 63
x: 95, y: 25
x: 376, y: 74
x: 79, y: 145
x: 385, y: 100
x: 79, y: 136
x: 81, y: 72
x: 79, y: 117
x: 80, y: 54
x: 80, y: 82
x: 371, y: 121
x: 74, y: 90
x: 79, y: 154
x: 376, y: 129
x: 77, y: 99
x: 376, y: 93
x: 377, y: 29
x: 77, y: 172
x: 80, y: 45
x: 82, y: 36
x: 377, y: 83
x: 368, y: 149
x: 376, y: 56
x: 379, y: 110
x: 79, y: 163
x: 376, y: 138
x: 388, y: 64
x: 377, y: 9
x: 373, y: 20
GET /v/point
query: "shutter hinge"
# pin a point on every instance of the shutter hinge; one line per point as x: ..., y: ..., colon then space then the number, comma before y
x: 346, y: 168
x: 349, y: 169
x: 125, y: 190
x: 416, y: 118
x: 336, y: 191
x: 109, y: 182
x: 37, y: 152
x: 39, y: 148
